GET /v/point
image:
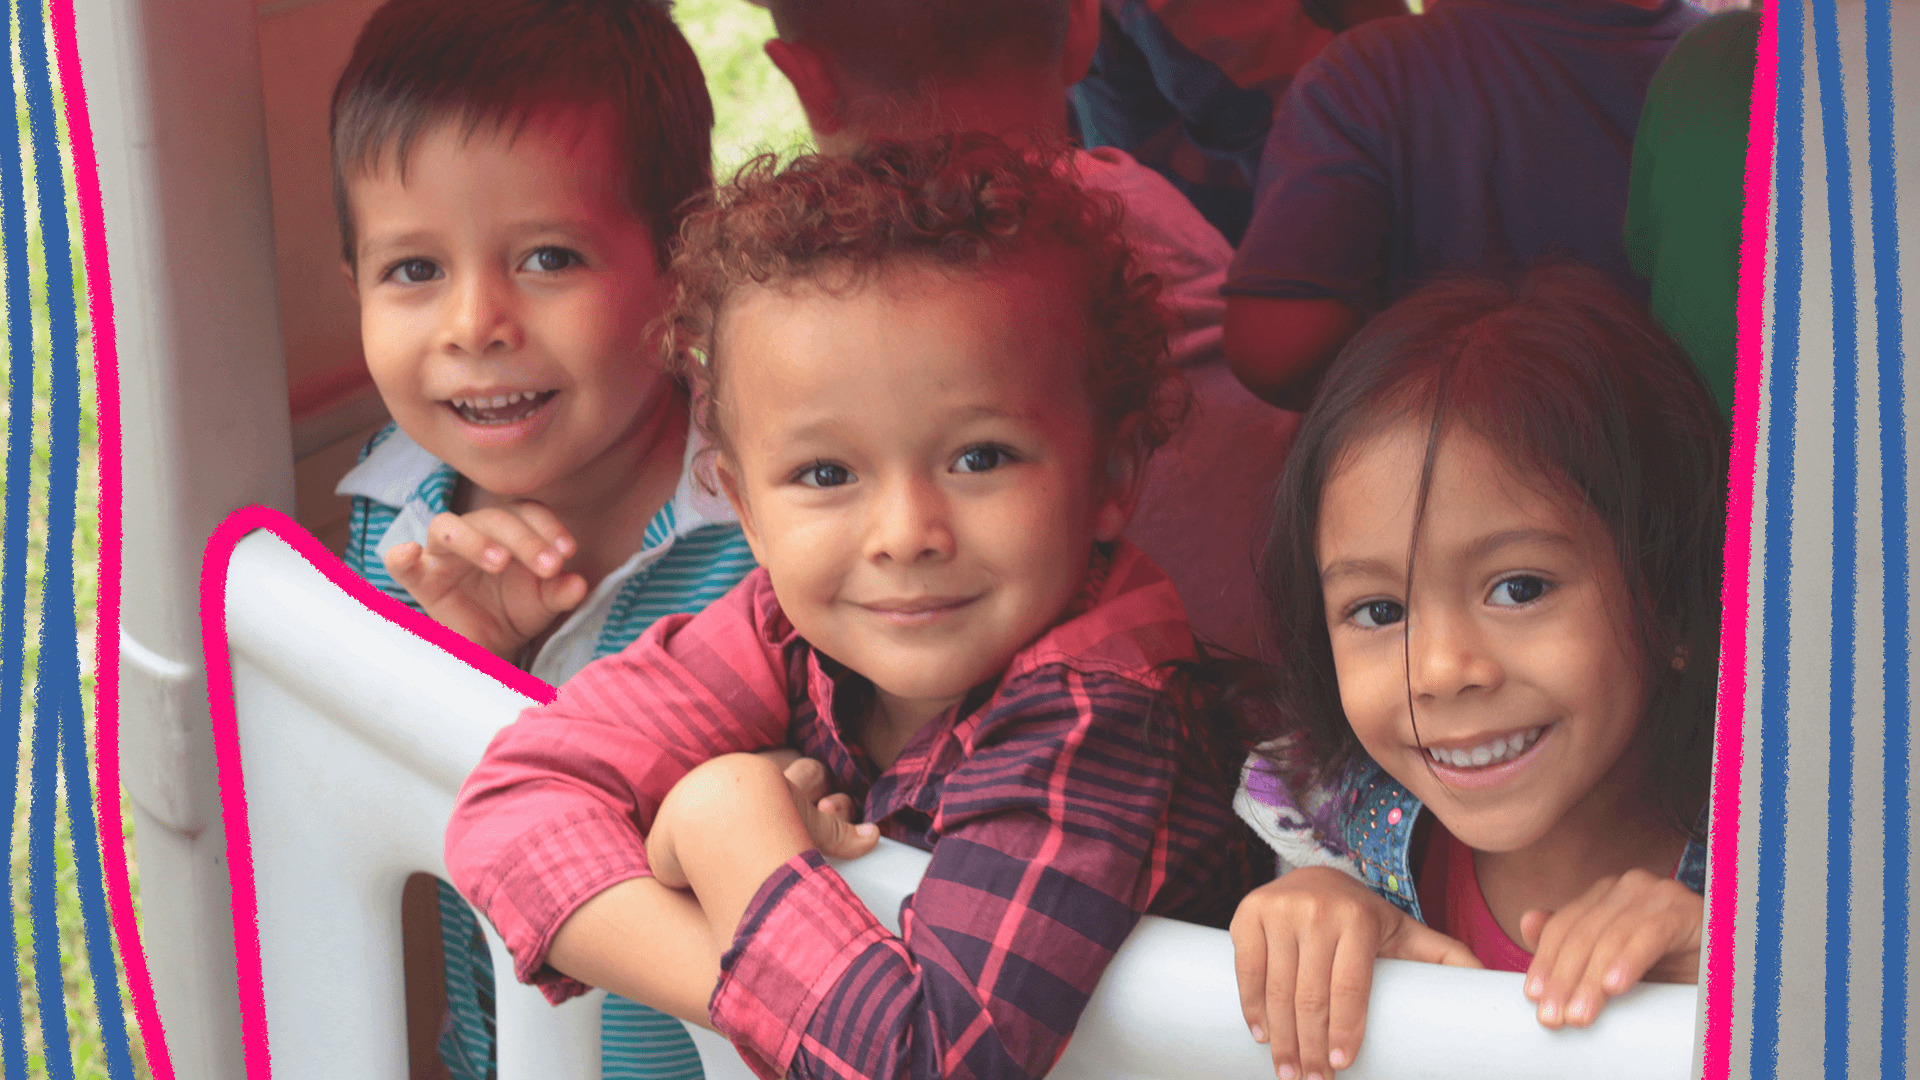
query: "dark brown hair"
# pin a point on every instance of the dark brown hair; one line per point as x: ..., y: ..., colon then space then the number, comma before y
x: 420, y: 63
x: 904, y: 47
x: 965, y: 203
x: 1565, y: 376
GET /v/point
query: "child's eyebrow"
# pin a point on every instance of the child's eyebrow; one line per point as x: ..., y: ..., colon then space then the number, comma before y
x: 1493, y: 542
x: 413, y: 238
x: 1356, y: 568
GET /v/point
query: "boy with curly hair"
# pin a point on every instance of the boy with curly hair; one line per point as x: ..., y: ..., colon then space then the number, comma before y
x: 932, y: 373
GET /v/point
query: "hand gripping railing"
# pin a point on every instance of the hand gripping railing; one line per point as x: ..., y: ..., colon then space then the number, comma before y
x: 355, y: 736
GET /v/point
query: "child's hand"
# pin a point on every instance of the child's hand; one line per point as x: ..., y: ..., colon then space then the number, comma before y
x: 1303, y: 951
x: 830, y: 824
x: 1622, y: 930
x: 492, y: 576
x: 687, y: 817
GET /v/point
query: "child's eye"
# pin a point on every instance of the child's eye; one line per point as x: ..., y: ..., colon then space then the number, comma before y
x: 1519, y: 591
x: 979, y: 459
x: 414, y: 271
x: 551, y: 260
x: 1375, y: 614
x: 824, y: 474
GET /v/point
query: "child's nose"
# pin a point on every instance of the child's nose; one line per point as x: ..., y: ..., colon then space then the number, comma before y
x: 912, y: 523
x: 1447, y: 654
x: 481, y: 317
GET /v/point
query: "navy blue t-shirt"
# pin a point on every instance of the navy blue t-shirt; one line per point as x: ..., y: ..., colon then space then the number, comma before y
x: 1484, y: 135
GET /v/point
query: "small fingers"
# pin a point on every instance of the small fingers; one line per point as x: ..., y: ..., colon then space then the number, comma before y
x: 543, y: 522
x: 562, y: 593
x: 1282, y: 1019
x: 451, y: 535
x: 840, y: 839
x: 837, y: 805
x: 1250, y: 964
x: 809, y: 779
x: 1313, y: 1004
x: 403, y: 562
x: 1352, y: 987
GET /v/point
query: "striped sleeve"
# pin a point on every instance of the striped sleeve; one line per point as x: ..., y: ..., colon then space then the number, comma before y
x: 1051, y: 843
x: 557, y: 810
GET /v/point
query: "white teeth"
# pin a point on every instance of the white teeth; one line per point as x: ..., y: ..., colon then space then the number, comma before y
x: 1494, y: 751
x: 498, y: 401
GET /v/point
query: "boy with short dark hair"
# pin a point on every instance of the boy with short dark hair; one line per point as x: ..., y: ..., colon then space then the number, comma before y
x: 508, y: 177
x: 914, y: 68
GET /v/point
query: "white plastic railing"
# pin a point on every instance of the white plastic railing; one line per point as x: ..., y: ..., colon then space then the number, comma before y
x: 356, y: 735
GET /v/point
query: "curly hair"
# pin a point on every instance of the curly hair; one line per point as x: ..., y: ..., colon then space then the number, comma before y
x: 966, y: 203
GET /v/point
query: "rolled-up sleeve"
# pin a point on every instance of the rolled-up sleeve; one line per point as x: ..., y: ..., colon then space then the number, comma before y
x: 558, y: 808
x: 1050, y: 842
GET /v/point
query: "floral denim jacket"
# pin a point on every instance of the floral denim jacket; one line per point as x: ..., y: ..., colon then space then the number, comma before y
x: 1365, y: 827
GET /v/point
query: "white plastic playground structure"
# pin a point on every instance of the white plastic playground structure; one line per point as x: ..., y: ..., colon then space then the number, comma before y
x: 356, y: 735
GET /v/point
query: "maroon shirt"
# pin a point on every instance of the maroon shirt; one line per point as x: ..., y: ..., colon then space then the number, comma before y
x: 1055, y: 814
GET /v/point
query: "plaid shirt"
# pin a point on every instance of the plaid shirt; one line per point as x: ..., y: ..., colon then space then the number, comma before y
x: 1055, y: 814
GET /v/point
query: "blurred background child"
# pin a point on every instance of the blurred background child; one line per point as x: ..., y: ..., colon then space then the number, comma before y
x: 1483, y: 135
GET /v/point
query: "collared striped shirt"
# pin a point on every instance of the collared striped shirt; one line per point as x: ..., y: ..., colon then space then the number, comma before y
x: 1056, y: 811
x: 692, y: 553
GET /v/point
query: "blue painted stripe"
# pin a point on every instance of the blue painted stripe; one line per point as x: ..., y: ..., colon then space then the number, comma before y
x: 13, y: 549
x: 1846, y: 493
x: 1782, y: 374
x: 58, y: 692
x: 43, y: 780
x: 1896, y: 809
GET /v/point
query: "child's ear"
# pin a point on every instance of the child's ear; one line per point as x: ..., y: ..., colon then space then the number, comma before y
x: 813, y: 83
x: 724, y: 471
x: 353, y: 283
x: 1125, y: 475
x: 1083, y: 39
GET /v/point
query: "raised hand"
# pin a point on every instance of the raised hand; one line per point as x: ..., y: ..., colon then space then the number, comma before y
x: 1620, y: 931
x: 1303, y: 952
x: 494, y: 576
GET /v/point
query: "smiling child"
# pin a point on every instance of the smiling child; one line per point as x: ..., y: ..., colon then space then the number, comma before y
x: 508, y: 176
x: 1496, y: 558
x: 932, y: 374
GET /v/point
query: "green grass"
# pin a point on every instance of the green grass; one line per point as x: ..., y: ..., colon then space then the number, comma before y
x: 755, y: 111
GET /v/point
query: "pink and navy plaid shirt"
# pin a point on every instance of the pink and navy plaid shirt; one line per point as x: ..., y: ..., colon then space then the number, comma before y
x: 1056, y: 815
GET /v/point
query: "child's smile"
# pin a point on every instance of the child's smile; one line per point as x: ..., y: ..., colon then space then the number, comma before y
x: 506, y: 293
x: 915, y: 463
x: 1512, y: 708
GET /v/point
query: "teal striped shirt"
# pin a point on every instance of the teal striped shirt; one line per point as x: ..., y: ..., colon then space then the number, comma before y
x: 692, y: 553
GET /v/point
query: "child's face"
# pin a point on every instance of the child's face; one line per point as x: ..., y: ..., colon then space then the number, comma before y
x: 915, y: 463
x: 505, y: 294
x: 1521, y: 669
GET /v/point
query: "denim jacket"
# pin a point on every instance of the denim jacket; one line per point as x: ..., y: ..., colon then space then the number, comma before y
x: 1377, y: 833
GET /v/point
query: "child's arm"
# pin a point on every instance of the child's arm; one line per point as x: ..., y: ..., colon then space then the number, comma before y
x: 1622, y: 930
x: 677, y: 970
x: 557, y: 809
x: 1303, y: 951
x: 1050, y: 844
x: 493, y: 576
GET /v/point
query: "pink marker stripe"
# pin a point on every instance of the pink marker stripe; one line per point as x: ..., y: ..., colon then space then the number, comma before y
x: 106, y: 650
x: 226, y: 733
x: 1717, y: 1048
